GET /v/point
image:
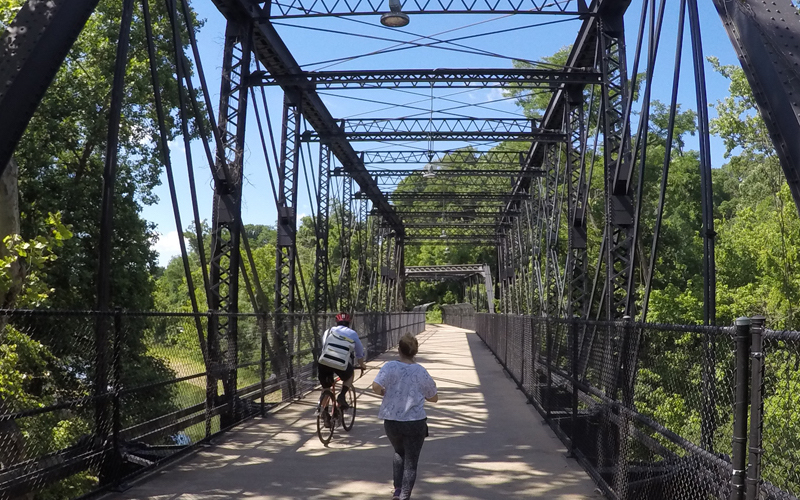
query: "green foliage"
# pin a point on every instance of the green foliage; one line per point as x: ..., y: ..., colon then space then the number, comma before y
x: 27, y: 260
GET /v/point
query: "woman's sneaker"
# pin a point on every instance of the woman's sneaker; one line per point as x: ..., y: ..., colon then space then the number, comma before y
x: 396, y: 495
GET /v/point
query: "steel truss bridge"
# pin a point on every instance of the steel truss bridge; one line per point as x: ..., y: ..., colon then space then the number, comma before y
x: 527, y: 199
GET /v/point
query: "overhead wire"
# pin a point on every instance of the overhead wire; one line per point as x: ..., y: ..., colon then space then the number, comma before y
x: 461, y: 48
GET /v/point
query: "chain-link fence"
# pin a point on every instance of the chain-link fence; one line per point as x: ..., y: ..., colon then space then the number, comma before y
x: 661, y: 411
x: 88, y: 400
x: 460, y: 315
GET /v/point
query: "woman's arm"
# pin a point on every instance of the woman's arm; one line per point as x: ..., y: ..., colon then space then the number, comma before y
x: 434, y: 399
x: 378, y: 389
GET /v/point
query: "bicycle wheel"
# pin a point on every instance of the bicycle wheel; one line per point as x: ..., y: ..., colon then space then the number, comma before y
x: 325, y: 418
x: 349, y: 415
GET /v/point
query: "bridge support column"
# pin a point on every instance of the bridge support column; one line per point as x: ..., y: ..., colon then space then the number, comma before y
x: 285, y: 280
x: 345, y: 286
x: 321, y: 291
x: 226, y: 219
x: 577, y: 198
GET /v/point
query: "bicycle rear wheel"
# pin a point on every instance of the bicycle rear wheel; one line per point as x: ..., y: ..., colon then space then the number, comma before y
x: 325, y: 417
x: 349, y: 415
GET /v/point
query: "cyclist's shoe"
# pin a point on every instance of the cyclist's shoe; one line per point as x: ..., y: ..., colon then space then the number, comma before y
x: 342, y: 402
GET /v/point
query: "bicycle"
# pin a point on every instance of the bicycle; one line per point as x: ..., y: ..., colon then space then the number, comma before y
x: 330, y: 414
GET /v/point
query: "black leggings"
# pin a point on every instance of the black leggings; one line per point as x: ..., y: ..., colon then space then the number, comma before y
x: 407, y: 439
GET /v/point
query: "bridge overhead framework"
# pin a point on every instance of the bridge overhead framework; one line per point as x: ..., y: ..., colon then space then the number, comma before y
x: 555, y: 194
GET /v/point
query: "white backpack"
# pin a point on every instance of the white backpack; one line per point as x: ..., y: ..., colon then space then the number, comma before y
x: 337, y: 350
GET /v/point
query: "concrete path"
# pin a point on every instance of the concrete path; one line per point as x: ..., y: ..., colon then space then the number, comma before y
x: 485, y: 443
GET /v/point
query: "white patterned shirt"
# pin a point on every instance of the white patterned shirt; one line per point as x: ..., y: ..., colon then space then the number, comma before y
x: 406, y: 387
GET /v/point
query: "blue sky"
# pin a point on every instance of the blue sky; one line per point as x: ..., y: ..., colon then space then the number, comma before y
x: 312, y: 48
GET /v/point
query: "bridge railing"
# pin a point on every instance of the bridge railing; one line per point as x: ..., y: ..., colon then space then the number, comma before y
x: 73, y: 421
x: 661, y: 411
x: 460, y: 315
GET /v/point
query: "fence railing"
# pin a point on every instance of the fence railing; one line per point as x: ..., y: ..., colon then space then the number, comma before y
x: 75, y: 418
x: 661, y: 411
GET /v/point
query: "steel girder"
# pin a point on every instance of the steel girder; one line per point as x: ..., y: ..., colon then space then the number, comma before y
x: 765, y: 35
x: 457, y: 241
x: 345, y: 285
x: 618, y: 162
x: 488, y: 216
x: 484, y: 183
x: 551, y: 207
x: 32, y: 49
x: 439, y: 129
x: 279, y: 62
x: 468, y: 272
x: 226, y: 224
x: 436, y: 78
x: 363, y: 272
x: 457, y: 271
x: 577, y: 196
x: 321, y: 264
x: 435, y: 231
x: 450, y: 225
x: 456, y: 197
x: 457, y: 156
x: 312, y: 8
x: 286, y: 249
x: 397, y: 175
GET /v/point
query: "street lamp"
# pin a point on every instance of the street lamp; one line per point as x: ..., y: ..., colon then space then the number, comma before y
x: 395, y: 18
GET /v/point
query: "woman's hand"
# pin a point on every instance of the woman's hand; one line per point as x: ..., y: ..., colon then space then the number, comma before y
x: 378, y: 389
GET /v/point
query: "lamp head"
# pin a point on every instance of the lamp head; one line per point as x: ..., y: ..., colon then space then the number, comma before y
x: 395, y: 18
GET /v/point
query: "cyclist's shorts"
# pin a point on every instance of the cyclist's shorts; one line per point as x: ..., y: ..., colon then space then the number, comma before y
x: 326, y: 374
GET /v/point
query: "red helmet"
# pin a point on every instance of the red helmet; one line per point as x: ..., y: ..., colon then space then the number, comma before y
x: 343, y: 317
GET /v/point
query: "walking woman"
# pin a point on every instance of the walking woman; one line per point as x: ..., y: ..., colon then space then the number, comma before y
x: 405, y: 386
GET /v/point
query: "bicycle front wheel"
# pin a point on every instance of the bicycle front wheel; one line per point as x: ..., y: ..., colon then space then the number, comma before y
x: 325, y: 417
x: 349, y: 415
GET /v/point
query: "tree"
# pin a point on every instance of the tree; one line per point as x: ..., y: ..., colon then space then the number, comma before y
x: 60, y: 164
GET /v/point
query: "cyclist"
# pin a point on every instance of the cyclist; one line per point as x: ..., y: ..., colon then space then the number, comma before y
x: 341, y: 348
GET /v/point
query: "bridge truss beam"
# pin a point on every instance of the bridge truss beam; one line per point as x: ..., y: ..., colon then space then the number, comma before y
x: 224, y: 265
x: 311, y: 8
x: 435, y: 78
x: 273, y: 53
x: 448, y: 157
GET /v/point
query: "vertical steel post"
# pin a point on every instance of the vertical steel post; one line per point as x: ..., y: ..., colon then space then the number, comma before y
x: 226, y: 219
x: 574, y: 330
x: 116, y: 465
x: 286, y: 251
x: 211, y: 381
x: 625, y: 380
x: 400, y: 303
x: 362, y: 274
x: 551, y: 208
x: 740, y: 407
x: 263, y: 366
x: 576, y: 196
x: 321, y: 292
x: 107, y: 223
x: 756, y: 406
x: 548, y: 325
x: 617, y: 160
x: 345, y: 288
